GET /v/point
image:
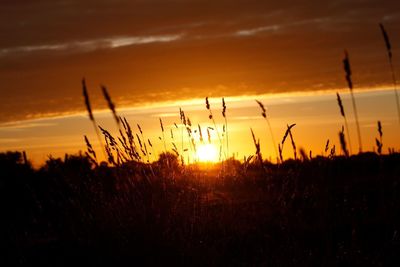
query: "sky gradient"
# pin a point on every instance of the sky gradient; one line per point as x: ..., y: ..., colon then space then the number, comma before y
x: 149, y: 51
x: 316, y: 115
x: 157, y: 55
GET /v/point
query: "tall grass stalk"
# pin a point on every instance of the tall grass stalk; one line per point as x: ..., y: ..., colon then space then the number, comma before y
x: 226, y: 125
x: 340, y: 103
x: 91, y: 117
x: 347, y: 69
x: 264, y: 114
x: 257, y: 146
x: 343, y: 143
x: 26, y: 162
x: 293, y: 142
x: 191, y: 140
x: 90, y: 153
x: 287, y: 133
x: 379, y: 143
x: 133, y: 151
x: 111, y: 106
x: 200, y: 134
x: 208, y: 135
x: 152, y: 149
x: 186, y: 124
x: 211, y: 117
x: 333, y: 152
x: 174, y: 147
x: 389, y: 52
x: 163, y: 136
x: 326, y: 147
x: 141, y: 145
x: 144, y: 143
x: 183, y: 122
x: 111, y: 145
x: 280, y: 153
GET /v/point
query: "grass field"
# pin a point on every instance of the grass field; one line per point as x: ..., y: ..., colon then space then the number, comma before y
x: 321, y: 212
x: 198, y: 206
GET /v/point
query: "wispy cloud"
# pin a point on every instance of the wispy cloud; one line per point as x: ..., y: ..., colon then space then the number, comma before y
x: 126, y: 41
x: 277, y: 27
x: 245, y: 118
x: 253, y: 31
x: 165, y: 115
x: 90, y: 45
x: 21, y: 125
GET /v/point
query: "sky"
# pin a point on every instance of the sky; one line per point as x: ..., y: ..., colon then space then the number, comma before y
x: 153, y: 52
x: 316, y: 115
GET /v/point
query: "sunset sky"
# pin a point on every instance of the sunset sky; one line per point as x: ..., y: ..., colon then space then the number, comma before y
x: 157, y: 55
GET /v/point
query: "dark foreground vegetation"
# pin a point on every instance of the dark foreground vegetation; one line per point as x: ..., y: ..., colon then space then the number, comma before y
x: 321, y: 212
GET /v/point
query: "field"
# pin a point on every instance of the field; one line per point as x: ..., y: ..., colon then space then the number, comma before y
x: 198, y: 206
x: 325, y: 211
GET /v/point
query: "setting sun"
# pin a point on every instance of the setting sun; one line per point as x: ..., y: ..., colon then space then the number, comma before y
x: 207, y: 153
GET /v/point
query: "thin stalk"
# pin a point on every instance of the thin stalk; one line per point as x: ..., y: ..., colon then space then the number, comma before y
x: 163, y: 136
x: 395, y: 89
x: 347, y: 69
x: 226, y: 126
x: 264, y: 114
x: 357, y: 123
x: 272, y: 138
x: 227, y: 138
x: 340, y: 103
x: 348, y: 135
x: 91, y: 117
x: 215, y: 125
x: 389, y: 52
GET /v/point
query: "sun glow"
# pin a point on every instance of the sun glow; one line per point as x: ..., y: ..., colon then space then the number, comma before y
x: 207, y: 153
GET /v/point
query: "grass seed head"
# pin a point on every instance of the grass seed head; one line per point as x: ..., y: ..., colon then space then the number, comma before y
x: 263, y: 110
x: 387, y: 41
x: 87, y: 101
x: 339, y: 100
x: 223, y: 108
x: 347, y: 69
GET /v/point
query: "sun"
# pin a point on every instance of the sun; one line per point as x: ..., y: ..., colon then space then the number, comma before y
x: 207, y: 153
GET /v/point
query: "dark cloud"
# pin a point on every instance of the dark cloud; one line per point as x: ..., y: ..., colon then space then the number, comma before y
x: 148, y: 51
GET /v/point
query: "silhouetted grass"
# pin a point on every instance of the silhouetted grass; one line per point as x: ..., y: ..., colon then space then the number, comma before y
x: 347, y: 69
x: 264, y: 115
x: 340, y: 104
x: 316, y: 212
x: 390, y: 55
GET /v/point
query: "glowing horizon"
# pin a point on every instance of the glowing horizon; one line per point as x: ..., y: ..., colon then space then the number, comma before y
x: 155, y: 57
x: 190, y: 101
x: 319, y: 112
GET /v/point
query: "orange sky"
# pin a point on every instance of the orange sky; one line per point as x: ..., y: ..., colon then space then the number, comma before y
x: 155, y: 51
x: 147, y: 51
x: 316, y: 114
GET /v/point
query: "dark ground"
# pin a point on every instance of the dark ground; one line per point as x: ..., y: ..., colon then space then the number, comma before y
x: 323, y: 212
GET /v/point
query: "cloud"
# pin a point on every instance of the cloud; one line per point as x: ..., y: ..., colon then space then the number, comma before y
x: 245, y: 118
x: 164, y: 115
x: 248, y: 32
x: 175, y: 50
x: 21, y: 125
x: 277, y: 27
x: 90, y: 45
